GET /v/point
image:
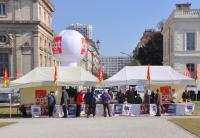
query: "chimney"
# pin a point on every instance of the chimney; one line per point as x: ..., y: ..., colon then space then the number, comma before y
x: 183, y: 6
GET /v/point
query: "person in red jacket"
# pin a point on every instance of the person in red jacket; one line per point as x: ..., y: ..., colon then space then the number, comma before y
x: 79, y: 101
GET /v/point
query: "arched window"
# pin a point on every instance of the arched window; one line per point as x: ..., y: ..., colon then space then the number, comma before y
x: 3, y: 39
x: 191, y: 68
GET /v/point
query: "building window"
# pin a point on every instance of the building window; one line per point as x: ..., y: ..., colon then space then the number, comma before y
x: 190, y: 41
x: 3, y: 63
x: 2, y: 9
x: 3, y: 39
x: 191, y: 68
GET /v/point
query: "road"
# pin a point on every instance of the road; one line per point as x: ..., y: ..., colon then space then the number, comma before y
x: 98, y: 127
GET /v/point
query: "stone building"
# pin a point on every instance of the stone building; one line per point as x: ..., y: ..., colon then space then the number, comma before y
x: 181, y: 39
x: 25, y: 35
x: 92, y: 61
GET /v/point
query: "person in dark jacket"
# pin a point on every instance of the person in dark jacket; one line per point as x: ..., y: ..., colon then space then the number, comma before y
x: 158, y: 102
x: 152, y: 97
x: 131, y: 97
x: 120, y: 97
x: 79, y: 101
x: 185, y: 96
x: 90, y: 100
x: 106, y: 101
x: 51, y: 103
x: 63, y: 101
x: 138, y: 99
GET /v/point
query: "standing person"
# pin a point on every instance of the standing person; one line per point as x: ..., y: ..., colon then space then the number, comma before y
x: 79, y: 101
x: 110, y: 93
x: 131, y: 97
x: 106, y: 101
x: 138, y: 99
x: 91, y: 99
x: 152, y: 96
x: 120, y: 97
x: 51, y: 103
x: 158, y: 102
x: 86, y: 100
x: 63, y: 101
x: 185, y: 96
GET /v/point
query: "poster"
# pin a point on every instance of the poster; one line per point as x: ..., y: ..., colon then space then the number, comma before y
x: 153, y: 109
x: 41, y: 97
x: 165, y: 92
x: 58, y: 111
x: 144, y: 109
x: 72, y: 110
x: 127, y: 109
x: 35, y: 111
x: 44, y: 110
x: 189, y: 109
x: 168, y: 109
x: 118, y: 109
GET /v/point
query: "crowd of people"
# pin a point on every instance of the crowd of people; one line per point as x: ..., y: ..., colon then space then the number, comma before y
x: 89, y: 99
x: 131, y: 96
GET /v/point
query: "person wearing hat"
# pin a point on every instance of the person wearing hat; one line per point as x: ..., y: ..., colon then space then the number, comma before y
x: 106, y: 101
x: 51, y: 103
x: 63, y: 101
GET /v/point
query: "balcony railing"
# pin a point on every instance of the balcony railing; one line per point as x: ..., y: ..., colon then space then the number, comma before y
x: 193, y: 13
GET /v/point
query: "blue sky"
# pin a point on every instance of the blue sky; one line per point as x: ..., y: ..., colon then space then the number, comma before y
x: 118, y: 24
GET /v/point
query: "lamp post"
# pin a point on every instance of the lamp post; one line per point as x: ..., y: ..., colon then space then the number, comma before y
x: 133, y: 60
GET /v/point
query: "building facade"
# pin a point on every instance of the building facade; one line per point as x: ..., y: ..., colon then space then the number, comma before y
x: 85, y: 29
x: 25, y: 35
x: 181, y: 39
x: 113, y: 64
x: 92, y: 61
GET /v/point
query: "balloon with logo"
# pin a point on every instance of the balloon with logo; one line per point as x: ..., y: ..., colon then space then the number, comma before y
x: 69, y: 47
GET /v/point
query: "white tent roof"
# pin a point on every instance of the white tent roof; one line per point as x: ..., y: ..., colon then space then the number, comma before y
x: 44, y: 76
x: 160, y: 75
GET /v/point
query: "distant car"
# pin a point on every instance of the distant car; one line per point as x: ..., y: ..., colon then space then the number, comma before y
x: 98, y: 93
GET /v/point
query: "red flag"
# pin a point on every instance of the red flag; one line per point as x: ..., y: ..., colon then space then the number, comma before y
x: 148, y: 73
x: 187, y: 72
x: 100, y: 75
x: 5, y: 78
x: 17, y: 75
x: 84, y: 47
x: 55, y: 75
x: 57, y: 45
x: 196, y: 73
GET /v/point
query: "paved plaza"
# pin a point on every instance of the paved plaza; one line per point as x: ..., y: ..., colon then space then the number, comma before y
x: 99, y: 127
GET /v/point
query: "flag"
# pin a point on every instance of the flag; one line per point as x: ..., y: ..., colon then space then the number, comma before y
x: 55, y: 76
x: 187, y: 72
x: 5, y: 78
x: 148, y: 73
x: 100, y: 75
x: 84, y: 47
x: 17, y: 75
x: 196, y: 74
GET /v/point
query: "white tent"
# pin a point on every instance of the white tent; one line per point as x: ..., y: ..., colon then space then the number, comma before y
x: 44, y: 76
x: 137, y: 75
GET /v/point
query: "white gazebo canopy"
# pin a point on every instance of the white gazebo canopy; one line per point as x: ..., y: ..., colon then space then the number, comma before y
x: 44, y: 76
x: 160, y: 75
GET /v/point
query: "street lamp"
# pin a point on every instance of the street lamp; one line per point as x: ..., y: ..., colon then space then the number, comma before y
x: 133, y: 60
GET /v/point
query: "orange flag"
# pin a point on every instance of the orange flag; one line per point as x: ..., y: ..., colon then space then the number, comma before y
x: 148, y: 73
x: 55, y: 75
x: 196, y: 74
x: 5, y: 78
x: 187, y: 72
